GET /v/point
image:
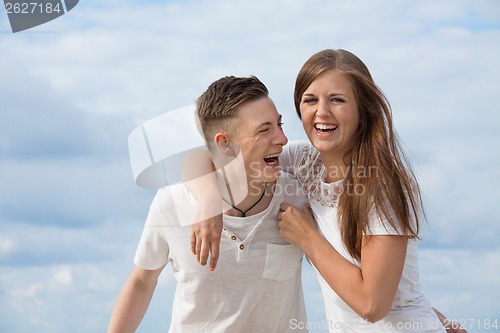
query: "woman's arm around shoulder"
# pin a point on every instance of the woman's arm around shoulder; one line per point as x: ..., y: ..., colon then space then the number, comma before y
x: 206, y: 228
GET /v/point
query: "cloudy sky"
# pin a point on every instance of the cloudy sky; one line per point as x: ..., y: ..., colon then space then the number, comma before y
x: 73, y: 89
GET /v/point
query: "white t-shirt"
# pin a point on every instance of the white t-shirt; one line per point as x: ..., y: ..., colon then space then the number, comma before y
x: 256, y: 286
x: 411, y: 311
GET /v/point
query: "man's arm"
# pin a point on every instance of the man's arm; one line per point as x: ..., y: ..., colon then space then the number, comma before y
x: 133, y: 300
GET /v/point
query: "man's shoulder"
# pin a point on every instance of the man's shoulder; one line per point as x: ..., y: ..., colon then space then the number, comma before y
x: 176, y: 204
x: 174, y: 191
x: 290, y: 190
x: 287, y: 178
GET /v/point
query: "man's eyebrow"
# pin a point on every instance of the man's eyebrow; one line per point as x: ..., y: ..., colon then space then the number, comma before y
x: 267, y: 123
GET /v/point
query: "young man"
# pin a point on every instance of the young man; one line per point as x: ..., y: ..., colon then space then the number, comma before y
x: 257, y: 285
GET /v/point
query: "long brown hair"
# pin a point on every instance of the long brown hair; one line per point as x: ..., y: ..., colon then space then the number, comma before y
x: 392, y: 191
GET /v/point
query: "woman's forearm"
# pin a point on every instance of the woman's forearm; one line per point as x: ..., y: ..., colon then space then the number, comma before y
x: 369, y: 290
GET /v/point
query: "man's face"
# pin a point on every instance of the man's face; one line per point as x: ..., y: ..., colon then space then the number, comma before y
x: 261, y: 139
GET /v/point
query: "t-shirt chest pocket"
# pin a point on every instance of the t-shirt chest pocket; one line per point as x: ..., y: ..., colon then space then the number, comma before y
x: 281, y: 261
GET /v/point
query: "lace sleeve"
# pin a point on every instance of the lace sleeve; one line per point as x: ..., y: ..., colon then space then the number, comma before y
x: 292, y: 155
x: 309, y: 171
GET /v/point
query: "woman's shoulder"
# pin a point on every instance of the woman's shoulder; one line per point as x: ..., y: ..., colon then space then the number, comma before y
x: 298, y: 147
x: 300, y: 153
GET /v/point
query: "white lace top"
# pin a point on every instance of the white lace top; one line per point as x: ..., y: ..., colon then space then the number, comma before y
x: 305, y: 162
x: 410, y: 309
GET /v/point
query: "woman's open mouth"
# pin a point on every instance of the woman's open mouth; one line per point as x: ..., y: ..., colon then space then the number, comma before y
x: 324, y: 128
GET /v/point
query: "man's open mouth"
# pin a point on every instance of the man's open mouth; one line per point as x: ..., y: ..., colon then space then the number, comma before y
x: 272, y: 159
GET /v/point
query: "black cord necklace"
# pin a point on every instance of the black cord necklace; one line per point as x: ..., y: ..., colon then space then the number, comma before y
x: 244, y: 213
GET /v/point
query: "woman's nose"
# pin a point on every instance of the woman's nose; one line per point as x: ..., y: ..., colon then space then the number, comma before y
x: 323, y: 108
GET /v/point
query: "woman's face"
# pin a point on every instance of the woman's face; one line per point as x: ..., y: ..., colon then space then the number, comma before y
x: 330, y: 113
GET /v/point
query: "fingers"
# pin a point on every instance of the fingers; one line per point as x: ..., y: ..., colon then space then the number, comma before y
x: 284, y: 206
x: 202, y: 249
x: 284, y: 209
x: 307, y: 210
x: 196, y: 241
x: 198, y: 248
x: 192, y: 241
x: 204, y: 240
x: 214, y: 254
x: 203, y: 253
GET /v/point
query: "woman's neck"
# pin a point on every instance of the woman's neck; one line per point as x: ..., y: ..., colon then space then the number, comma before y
x: 335, y: 167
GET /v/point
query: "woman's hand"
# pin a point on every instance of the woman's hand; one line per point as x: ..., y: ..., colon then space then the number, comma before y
x: 205, y: 237
x: 295, y: 225
x: 370, y: 289
x: 450, y: 326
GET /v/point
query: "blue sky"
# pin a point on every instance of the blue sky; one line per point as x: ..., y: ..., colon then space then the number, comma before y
x: 73, y: 89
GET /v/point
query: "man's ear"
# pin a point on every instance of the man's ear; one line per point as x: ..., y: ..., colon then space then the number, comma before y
x: 224, y: 145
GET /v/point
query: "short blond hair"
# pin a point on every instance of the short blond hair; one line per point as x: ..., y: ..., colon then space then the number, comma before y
x: 218, y: 106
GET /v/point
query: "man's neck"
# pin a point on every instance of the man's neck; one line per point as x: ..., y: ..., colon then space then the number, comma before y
x: 249, y: 198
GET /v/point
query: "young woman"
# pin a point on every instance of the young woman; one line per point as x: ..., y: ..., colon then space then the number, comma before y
x: 363, y: 197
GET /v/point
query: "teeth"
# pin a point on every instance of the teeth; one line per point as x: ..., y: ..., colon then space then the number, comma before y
x: 271, y: 159
x: 325, y: 127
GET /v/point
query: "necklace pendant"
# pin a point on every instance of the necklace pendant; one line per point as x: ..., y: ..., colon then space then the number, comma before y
x: 244, y: 213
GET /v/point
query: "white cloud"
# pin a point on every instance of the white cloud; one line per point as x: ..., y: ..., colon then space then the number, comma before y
x: 6, y: 246
x: 63, y: 277
x: 464, y: 283
x: 75, y: 297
